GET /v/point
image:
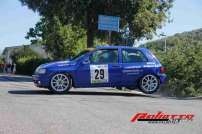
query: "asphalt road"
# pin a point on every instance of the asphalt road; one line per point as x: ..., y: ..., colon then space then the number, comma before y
x: 25, y: 109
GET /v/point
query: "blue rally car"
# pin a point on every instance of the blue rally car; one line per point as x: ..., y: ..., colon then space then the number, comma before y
x: 105, y: 66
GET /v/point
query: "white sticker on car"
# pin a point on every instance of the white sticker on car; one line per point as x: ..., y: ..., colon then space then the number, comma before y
x: 99, y: 73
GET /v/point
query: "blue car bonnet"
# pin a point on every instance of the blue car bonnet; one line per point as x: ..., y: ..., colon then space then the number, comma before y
x: 57, y: 64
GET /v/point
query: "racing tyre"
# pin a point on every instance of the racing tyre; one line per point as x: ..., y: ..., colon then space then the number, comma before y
x: 149, y: 84
x: 60, y: 83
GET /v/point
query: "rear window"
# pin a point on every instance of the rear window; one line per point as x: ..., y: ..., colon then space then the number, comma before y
x: 132, y: 55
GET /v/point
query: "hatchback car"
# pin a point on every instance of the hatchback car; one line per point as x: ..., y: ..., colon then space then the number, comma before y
x: 105, y: 66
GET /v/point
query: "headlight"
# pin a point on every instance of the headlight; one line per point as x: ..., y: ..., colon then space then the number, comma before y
x: 40, y: 70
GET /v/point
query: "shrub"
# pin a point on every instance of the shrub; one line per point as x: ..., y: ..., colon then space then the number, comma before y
x: 27, y: 65
x: 23, y: 51
x: 184, y: 70
x: 1, y: 63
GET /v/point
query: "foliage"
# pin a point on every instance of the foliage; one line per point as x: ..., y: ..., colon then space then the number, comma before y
x: 142, y: 16
x: 191, y: 37
x: 26, y: 60
x: 27, y: 65
x: 99, y: 42
x: 1, y: 60
x: 62, y: 41
x: 23, y: 52
x: 183, y: 61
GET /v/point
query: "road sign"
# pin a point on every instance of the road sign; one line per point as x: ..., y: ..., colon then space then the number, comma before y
x: 109, y: 23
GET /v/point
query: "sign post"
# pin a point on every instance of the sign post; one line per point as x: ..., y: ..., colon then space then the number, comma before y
x: 108, y: 23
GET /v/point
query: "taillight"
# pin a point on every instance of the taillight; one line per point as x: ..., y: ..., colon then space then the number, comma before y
x: 162, y: 69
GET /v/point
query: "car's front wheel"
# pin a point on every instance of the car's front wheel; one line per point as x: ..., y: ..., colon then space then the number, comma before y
x: 60, y: 83
x: 149, y: 84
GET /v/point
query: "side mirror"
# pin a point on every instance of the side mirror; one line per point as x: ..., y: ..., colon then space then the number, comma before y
x: 86, y: 61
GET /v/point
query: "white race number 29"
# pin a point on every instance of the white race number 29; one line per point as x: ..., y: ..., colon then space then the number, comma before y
x: 99, y: 73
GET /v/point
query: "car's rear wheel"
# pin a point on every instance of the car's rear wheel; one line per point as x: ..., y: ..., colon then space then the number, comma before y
x: 60, y: 83
x: 149, y: 84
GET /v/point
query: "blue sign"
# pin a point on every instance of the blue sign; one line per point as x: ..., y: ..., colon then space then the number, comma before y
x: 109, y: 23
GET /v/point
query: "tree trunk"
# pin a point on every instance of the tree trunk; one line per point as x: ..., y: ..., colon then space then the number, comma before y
x: 90, y: 37
x: 90, y: 27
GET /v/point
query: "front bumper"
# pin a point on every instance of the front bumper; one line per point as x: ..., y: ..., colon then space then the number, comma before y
x: 40, y: 80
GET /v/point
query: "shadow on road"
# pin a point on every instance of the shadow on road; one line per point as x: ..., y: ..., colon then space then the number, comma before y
x: 15, y: 78
x: 97, y: 93
x: 30, y: 92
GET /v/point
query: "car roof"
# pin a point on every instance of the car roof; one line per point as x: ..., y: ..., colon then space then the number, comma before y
x: 117, y: 47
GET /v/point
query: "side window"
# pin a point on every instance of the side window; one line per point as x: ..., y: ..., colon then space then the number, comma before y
x: 104, y: 56
x: 131, y: 56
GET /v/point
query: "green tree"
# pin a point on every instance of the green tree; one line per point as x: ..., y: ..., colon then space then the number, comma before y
x: 184, y: 69
x: 1, y: 60
x: 143, y: 16
x: 191, y: 37
x: 23, y: 52
x: 183, y: 62
x: 61, y: 41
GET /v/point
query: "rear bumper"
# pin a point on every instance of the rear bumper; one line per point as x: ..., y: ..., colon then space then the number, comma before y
x: 40, y: 80
x: 162, y: 78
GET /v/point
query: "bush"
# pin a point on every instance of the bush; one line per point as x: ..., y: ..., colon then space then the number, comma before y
x: 27, y: 65
x: 23, y: 51
x: 1, y: 62
x: 184, y: 70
